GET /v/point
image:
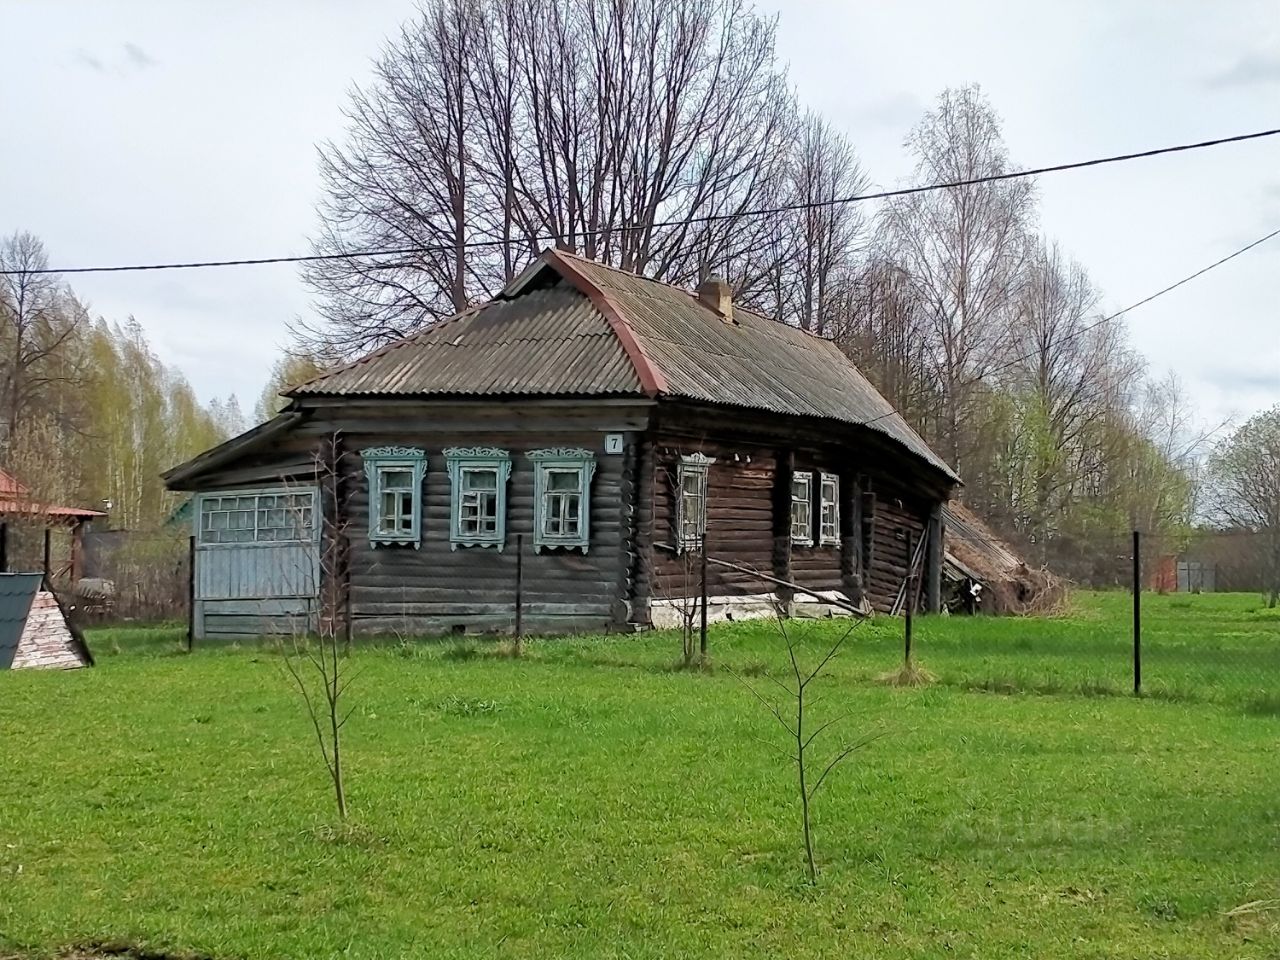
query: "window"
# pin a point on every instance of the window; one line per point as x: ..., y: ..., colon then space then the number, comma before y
x: 561, y: 491
x: 802, y: 507
x: 395, y: 494
x: 829, y: 519
x: 271, y: 517
x: 479, y: 504
x: 691, y: 505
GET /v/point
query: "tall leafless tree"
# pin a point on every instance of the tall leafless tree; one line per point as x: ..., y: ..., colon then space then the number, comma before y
x: 635, y: 133
x: 39, y: 318
x: 964, y: 249
x: 1068, y: 375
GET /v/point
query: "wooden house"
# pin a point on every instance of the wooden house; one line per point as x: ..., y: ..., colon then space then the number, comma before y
x: 573, y: 441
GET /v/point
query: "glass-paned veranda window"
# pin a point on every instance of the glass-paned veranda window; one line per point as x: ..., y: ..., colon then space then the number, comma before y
x: 829, y: 519
x: 691, y: 504
x: 561, y: 497
x: 253, y: 517
x: 478, y: 507
x: 395, y: 494
x: 802, y: 507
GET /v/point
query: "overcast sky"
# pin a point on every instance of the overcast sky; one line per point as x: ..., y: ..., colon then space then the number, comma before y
x: 152, y: 131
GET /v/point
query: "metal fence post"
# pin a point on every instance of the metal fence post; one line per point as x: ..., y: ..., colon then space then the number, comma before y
x: 191, y: 591
x: 48, y: 558
x: 909, y: 602
x: 519, y: 587
x: 702, y: 630
x: 1137, y: 613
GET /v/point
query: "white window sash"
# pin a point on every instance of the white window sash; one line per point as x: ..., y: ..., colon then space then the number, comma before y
x: 554, y: 527
x: 829, y: 518
x: 802, y: 508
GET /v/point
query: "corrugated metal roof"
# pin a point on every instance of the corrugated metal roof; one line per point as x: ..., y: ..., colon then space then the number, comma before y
x: 754, y: 362
x: 599, y: 331
x: 17, y: 590
x: 550, y: 341
x: 974, y: 543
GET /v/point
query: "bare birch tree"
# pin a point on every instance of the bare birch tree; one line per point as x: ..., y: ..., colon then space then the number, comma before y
x: 964, y: 249
x: 39, y: 320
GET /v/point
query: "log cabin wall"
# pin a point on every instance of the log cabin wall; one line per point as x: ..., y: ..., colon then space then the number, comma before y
x: 821, y: 566
x: 883, y: 495
x: 739, y: 518
x: 897, y: 514
x: 435, y: 589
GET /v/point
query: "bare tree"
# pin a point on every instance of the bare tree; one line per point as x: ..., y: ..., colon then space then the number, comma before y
x: 1067, y: 378
x: 319, y: 665
x: 821, y: 236
x: 493, y: 128
x: 802, y: 732
x: 39, y: 319
x: 964, y: 249
x: 1244, y: 473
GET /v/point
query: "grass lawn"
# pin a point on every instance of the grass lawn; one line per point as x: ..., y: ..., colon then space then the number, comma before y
x: 590, y: 802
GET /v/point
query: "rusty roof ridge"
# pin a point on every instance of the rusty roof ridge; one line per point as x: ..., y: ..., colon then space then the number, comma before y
x: 693, y: 295
x: 652, y: 381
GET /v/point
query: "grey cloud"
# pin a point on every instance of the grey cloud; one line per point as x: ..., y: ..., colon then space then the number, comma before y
x: 138, y: 57
x: 1236, y: 380
x: 897, y: 109
x: 86, y: 59
x: 1248, y: 71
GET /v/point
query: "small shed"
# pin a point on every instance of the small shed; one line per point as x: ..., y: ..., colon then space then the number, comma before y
x: 20, y: 509
x: 35, y: 631
x: 976, y: 556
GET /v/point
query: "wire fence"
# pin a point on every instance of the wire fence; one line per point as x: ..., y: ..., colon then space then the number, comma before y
x: 1203, y: 624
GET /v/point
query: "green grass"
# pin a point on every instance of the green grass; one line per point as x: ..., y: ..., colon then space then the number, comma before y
x: 591, y: 801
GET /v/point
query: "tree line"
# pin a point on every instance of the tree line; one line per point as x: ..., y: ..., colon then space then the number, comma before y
x: 649, y: 136
x: 89, y: 416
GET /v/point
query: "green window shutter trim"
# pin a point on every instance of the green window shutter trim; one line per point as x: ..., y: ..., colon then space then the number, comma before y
x: 582, y: 462
x: 459, y: 459
x: 377, y: 459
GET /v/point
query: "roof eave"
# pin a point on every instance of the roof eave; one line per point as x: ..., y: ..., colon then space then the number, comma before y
x: 180, y: 476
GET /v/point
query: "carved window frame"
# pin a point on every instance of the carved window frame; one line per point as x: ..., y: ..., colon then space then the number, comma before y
x: 802, y: 508
x: 378, y: 461
x: 695, y: 467
x: 461, y: 461
x: 552, y: 460
x: 829, y: 510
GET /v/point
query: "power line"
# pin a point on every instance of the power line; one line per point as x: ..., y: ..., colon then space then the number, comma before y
x: 711, y: 218
x: 1108, y: 319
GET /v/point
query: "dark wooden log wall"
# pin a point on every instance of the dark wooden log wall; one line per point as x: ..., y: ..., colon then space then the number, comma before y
x: 822, y: 567
x: 436, y: 589
x: 397, y: 589
x: 896, y: 515
x: 739, y: 517
x: 749, y: 506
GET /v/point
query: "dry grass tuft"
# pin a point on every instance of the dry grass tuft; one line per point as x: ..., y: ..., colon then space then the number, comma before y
x: 910, y: 674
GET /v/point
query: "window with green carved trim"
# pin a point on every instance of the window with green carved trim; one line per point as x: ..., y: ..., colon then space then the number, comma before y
x: 561, y: 505
x: 395, y: 494
x: 478, y: 506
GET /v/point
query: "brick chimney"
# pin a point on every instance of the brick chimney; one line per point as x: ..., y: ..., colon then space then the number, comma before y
x: 715, y: 293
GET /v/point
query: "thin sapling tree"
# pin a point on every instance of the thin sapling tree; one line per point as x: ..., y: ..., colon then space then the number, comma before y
x: 793, y: 712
